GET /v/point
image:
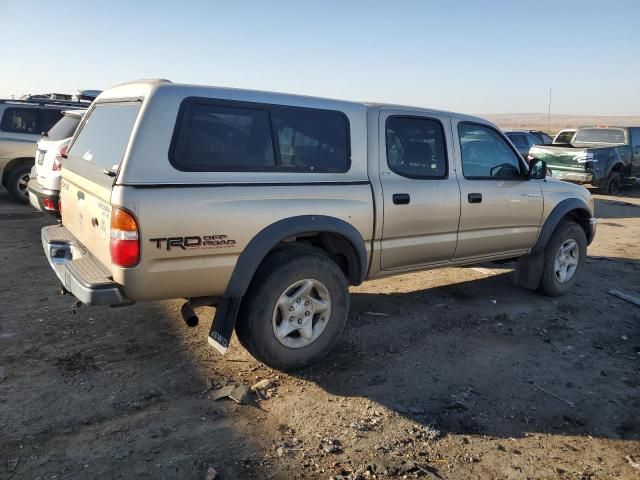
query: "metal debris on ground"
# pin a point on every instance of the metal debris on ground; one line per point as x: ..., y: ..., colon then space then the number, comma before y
x: 376, y: 314
x: 238, y: 393
x: 571, y: 404
x: 629, y: 297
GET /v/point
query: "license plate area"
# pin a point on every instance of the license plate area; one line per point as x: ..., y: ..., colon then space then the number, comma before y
x: 41, y: 157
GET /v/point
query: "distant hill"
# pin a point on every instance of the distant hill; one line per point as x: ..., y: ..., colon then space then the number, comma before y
x: 538, y: 121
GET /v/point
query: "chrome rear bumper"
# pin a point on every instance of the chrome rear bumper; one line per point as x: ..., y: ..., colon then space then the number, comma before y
x: 79, y: 272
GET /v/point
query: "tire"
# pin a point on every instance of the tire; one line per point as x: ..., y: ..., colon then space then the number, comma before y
x: 16, y: 182
x: 552, y: 283
x: 259, y: 316
x: 612, y: 185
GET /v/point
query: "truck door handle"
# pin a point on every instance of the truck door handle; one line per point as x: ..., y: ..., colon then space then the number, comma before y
x: 401, y: 198
x: 475, y: 198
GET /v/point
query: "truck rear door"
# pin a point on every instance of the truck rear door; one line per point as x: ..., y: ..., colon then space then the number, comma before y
x: 89, y: 172
x: 420, y: 189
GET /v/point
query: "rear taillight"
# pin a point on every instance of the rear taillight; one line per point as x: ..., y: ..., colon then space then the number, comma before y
x: 125, y: 244
x: 49, y: 204
x: 57, y: 162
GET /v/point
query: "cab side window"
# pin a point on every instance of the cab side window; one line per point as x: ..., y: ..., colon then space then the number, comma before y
x: 486, y: 155
x: 416, y: 147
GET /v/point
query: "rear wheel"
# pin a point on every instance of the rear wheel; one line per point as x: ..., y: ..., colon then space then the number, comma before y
x: 17, y: 182
x: 564, y: 258
x: 612, y: 186
x: 295, y: 310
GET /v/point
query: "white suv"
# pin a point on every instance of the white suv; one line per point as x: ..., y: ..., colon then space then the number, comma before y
x: 44, y: 182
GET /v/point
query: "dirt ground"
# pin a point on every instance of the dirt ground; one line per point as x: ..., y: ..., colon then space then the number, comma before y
x: 447, y: 374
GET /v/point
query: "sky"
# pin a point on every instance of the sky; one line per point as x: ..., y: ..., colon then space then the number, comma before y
x: 461, y: 55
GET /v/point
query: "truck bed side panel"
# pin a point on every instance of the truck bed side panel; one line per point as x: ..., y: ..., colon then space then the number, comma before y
x: 192, y: 236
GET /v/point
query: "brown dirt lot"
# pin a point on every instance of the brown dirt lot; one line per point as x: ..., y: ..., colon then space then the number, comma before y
x: 457, y: 374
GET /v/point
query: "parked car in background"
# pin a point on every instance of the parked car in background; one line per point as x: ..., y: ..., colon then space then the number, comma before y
x: 21, y: 125
x: 605, y: 157
x: 44, y: 183
x: 522, y: 140
x: 269, y: 205
x: 565, y: 136
x: 541, y: 137
x: 87, y: 95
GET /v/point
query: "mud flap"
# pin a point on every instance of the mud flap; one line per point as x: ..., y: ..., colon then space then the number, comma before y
x: 223, y: 323
x: 529, y: 271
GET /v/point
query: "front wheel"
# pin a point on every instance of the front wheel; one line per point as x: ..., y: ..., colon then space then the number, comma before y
x: 295, y: 309
x: 564, y: 258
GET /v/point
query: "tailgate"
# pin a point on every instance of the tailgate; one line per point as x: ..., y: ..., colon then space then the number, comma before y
x: 564, y: 158
x: 86, y: 212
x: 89, y: 172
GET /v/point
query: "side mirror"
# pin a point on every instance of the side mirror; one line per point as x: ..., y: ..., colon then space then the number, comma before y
x: 537, y: 169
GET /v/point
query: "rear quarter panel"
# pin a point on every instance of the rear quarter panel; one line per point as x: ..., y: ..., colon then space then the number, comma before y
x: 230, y: 216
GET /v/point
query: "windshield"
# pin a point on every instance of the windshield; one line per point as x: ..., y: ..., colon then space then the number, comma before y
x: 564, y: 137
x: 105, y: 134
x: 64, y: 128
x: 600, y: 135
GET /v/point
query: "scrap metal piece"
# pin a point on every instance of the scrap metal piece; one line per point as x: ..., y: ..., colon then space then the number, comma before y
x: 629, y: 297
x: 237, y: 393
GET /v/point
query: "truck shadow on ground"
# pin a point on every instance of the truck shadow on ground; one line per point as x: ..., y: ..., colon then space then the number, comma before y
x: 624, y: 205
x: 452, y: 358
x: 101, y: 393
x: 615, y: 208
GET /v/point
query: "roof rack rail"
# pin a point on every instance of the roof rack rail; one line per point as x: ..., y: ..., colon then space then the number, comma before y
x: 42, y: 102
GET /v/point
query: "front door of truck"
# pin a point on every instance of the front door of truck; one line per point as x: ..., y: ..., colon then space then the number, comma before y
x: 420, y: 189
x: 501, y: 209
x: 635, y: 150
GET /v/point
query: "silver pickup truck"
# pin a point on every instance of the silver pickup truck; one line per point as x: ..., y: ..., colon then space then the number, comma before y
x: 269, y: 206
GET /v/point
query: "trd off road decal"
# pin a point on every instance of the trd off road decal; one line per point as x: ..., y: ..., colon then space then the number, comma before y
x: 194, y: 242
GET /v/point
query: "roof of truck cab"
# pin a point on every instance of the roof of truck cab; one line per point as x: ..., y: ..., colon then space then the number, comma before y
x: 413, y: 108
x: 144, y: 88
